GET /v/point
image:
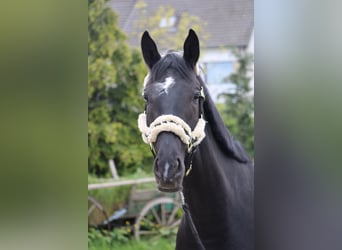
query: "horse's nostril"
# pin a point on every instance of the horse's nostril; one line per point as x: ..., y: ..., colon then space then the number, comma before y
x: 178, y: 164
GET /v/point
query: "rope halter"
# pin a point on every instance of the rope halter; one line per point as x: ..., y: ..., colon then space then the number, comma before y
x: 173, y: 124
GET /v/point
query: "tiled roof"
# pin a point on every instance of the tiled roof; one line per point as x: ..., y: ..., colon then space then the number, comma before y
x: 229, y: 22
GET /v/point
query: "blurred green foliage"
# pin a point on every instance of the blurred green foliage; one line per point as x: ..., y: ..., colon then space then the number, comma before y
x: 106, y: 239
x: 115, y: 76
x: 238, y: 109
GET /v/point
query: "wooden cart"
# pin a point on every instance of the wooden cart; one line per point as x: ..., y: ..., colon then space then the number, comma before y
x: 148, y: 212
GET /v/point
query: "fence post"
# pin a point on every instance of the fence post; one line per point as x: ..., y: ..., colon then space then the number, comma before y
x: 113, y: 169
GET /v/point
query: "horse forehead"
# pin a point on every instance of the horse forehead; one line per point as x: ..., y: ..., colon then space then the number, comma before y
x: 166, y: 85
x: 160, y: 87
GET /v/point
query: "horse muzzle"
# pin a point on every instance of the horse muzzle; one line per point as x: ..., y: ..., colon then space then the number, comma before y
x: 169, y: 174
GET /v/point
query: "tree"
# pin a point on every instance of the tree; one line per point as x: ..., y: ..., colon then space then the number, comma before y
x: 115, y: 76
x: 238, y: 109
x: 166, y: 27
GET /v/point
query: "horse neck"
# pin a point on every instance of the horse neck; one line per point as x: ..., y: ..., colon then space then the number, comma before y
x: 212, y: 187
x: 206, y: 185
x: 209, y: 179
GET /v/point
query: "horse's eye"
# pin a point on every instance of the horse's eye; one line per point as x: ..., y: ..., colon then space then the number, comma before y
x: 197, y: 96
x: 145, y: 97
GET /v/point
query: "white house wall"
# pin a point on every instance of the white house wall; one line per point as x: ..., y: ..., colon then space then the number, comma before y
x: 250, y: 49
x: 217, y: 55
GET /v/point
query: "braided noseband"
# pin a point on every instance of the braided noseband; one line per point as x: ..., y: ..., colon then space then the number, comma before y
x: 174, y: 124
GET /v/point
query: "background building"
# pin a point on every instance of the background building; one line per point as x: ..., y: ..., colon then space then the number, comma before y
x: 227, y: 24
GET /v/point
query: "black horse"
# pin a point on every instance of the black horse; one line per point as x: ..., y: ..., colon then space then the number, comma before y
x: 219, y: 188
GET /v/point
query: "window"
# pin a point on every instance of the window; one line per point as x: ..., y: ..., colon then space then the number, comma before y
x: 168, y: 22
x: 218, y: 72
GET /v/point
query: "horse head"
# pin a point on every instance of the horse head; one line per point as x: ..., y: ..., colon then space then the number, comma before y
x: 172, y: 122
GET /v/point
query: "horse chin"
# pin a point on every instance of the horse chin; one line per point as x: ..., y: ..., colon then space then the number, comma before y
x: 169, y: 189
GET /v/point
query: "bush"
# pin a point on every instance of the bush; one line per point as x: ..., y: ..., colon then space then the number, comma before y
x: 115, y: 77
x: 238, y: 108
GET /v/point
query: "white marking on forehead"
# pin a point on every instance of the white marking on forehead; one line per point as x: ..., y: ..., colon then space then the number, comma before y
x: 163, y: 87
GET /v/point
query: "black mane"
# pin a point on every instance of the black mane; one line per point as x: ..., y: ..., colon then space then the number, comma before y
x: 225, y: 140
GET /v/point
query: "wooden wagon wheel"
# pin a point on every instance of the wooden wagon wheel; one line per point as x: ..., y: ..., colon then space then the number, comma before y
x: 159, y: 217
x: 96, y: 213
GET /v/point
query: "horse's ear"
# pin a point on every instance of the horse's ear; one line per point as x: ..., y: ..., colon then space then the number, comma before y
x: 149, y: 50
x: 191, y: 49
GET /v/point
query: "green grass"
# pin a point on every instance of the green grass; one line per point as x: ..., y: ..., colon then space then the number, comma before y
x: 161, y: 244
x: 121, y: 239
